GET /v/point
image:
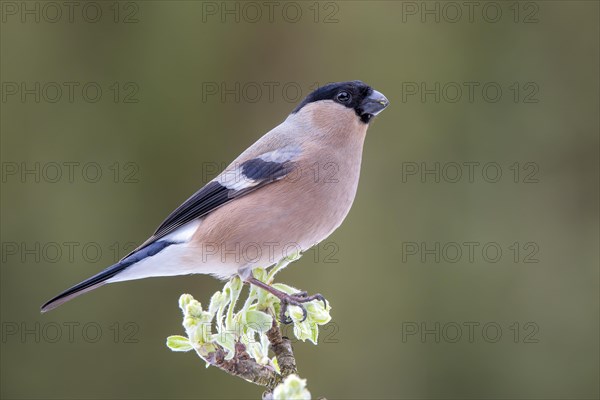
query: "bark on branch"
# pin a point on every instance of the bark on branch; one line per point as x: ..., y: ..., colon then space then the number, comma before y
x: 282, y: 347
x: 245, y: 367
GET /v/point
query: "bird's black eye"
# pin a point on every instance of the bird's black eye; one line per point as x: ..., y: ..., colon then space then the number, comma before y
x: 344, y: 97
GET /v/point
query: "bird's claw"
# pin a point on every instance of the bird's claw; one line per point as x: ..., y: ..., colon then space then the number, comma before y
x: 285, y: 319
x: 303, y: 297
x: 286, y: 300
x: 297, y: 299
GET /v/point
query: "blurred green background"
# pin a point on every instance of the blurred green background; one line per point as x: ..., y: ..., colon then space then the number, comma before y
x: 163, y: 122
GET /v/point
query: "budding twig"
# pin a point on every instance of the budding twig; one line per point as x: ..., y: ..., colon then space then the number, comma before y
x: 244, y: 338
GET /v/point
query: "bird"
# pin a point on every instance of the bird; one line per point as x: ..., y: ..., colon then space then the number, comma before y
x: 287, y: 192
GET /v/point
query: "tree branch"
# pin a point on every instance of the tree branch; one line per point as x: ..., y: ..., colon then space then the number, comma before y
x: 243, y: 366
x: 235, y: 348
x: 282, y: 347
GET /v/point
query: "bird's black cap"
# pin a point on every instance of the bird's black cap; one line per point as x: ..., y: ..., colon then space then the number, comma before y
x: 356, y: 95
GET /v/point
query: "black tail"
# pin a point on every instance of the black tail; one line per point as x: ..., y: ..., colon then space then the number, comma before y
x: 101, y: 278
x: 84, y: 287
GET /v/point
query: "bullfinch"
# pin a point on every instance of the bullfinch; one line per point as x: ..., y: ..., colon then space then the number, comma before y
x: 287, y: 192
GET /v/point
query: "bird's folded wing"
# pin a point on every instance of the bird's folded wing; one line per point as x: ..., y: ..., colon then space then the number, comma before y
x: 237, y: 180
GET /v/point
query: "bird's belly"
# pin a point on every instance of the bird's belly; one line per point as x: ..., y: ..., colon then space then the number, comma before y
x: 265, y: 226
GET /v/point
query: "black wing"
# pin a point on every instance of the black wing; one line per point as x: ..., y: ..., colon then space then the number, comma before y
x: 247, y: 177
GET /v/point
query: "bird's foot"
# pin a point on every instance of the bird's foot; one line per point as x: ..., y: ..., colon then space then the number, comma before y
x: 286, y: 300
x: 296, y: 299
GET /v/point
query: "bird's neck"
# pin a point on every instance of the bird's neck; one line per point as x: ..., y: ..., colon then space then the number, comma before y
x: 331, y: 124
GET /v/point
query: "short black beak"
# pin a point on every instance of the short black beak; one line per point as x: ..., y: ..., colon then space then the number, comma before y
x: 373, y: 105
